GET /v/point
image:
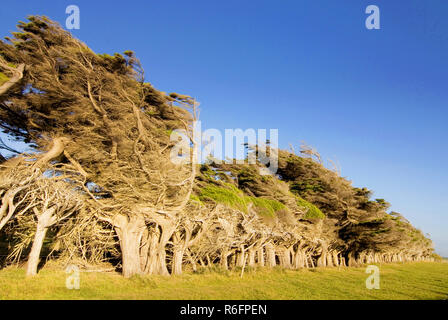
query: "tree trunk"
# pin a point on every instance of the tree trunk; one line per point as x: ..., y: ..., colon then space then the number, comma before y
x: 130, y: 231
x: 56, y: 150
x: 149, y: 251
x: 322, y: 260
x: 260, y: 257
x: 7, y: 208
x: 179, y: 248
x: 335, y: 259
x: 309, y: 261
x: 362, y: 258
x: 44, y: 221
x: 233, y: 260
x: 159, y: 237
x: 270, y: 255
x: 299, y: 261
x: 168, y: 228
x: 251, y: 259
x: 144, y: 250
x: 351, y: 260
x: 178, y: 254
x: 240, y: 261
x: 330, y: 259
x: 161, y: 262
x: 33, y: 258
x: 17, y: 76
x: 224, y: 257
x: 342, y: 258
x: 284, y: 257
x: 192, y: 262
x: 305, y: 260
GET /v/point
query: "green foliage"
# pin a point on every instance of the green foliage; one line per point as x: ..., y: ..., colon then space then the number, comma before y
x: 266, y: 207
x: 230, y: 197
x: 116, y: 63
x: 313, y: 211
x: 195, y: 198
x: 129, y: 53
x: 208, y: 172
x: 233, y: 197
x: 246, y: 177
x: 314, y: 185
x: 373, y: 221
x: 3, y: 78
x: 383, y: 203
x: 379, y: 231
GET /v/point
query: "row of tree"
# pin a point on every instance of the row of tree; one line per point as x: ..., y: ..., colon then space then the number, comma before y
x: 99, y: 184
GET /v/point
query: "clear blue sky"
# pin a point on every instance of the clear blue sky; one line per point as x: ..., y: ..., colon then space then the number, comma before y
x: 374, y: 100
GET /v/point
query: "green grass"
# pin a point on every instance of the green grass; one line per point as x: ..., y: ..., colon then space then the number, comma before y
x: 313, y: 211
x: 397, y: 281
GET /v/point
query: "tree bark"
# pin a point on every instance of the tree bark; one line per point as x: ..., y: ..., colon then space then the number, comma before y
x: 178, y: 251
x: 336, y: 259
x: 34, y: 256
x: 178, y: 254
x: 251, y: 258
x: 240, y: 261
x: 351, y: 260
x: 7, y: 208
x: 305, y: 260
x: 309, y: 262
x: 57, y: 148
x: 284, y: 257
x: 130, y: 231
x: 330, y: 259
x: 17, y: 76
x: 157, y: 252
x: 270, y: 255
x: 322, y: 260
x: 148, y: 251
x: 44, y: 221
x: 181, y: 245
x: 260, y: 257
x: 224, y: 256
x: 343, y: 263
x: 299, y: 261
x: 161, y: 263
x: 192, y: 262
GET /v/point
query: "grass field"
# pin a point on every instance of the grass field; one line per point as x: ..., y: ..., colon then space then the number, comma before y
x: 397, y: 281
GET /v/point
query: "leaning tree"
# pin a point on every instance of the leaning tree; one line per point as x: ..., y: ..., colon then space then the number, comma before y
x: 96, y: 114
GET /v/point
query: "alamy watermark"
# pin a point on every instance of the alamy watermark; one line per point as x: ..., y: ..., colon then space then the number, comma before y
x: 373, y: 20
x: 73, y: 21
x: 373, y: 281
x: 73, y: 279
x: 234, y: 146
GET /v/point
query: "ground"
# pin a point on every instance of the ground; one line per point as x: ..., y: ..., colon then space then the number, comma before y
x: 422, y: 280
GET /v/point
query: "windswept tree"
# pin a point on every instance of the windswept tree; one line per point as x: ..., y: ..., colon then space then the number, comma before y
x: 104, y: 120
